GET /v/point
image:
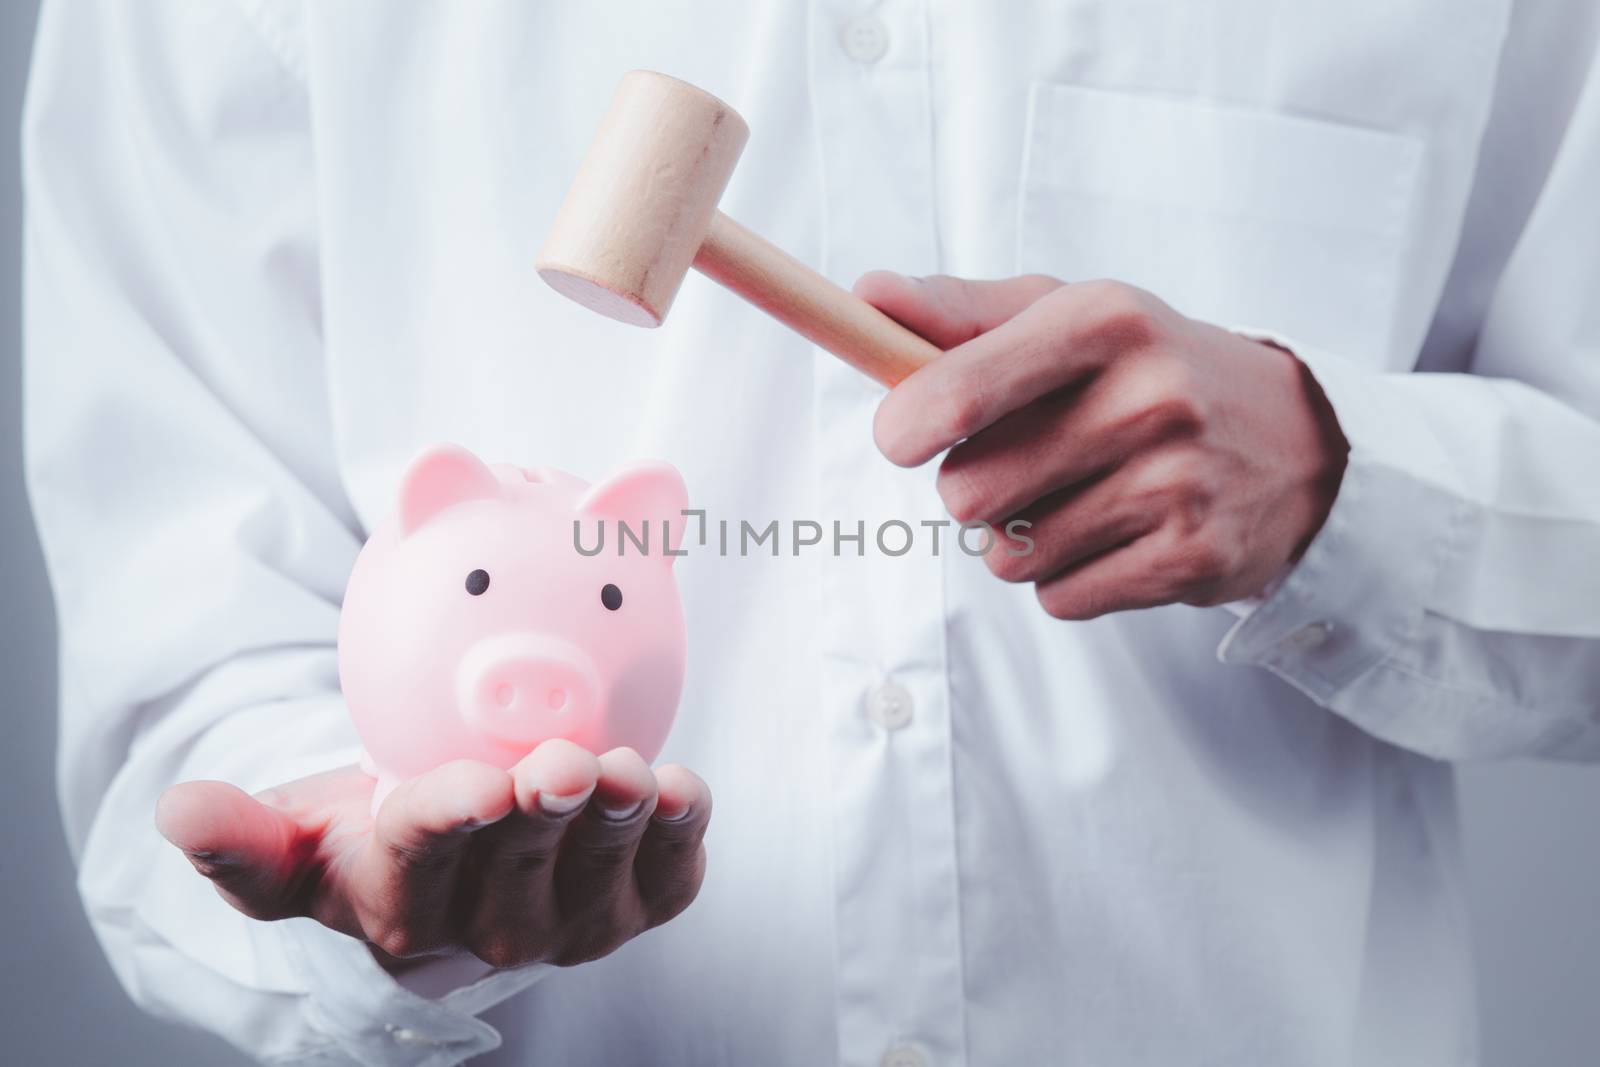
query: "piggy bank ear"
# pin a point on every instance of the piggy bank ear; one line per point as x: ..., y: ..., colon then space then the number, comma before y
x: 441, y: 477
x: 651, y: 493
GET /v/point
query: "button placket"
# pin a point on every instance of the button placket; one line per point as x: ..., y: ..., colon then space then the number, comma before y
x: 883, y: 618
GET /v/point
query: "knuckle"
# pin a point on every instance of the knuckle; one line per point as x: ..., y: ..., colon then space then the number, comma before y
x: 1067, y: 603
x: 501, y: 952
x: 678, y: 889
x: 419, y: 859
x: 1160, y: 383
x: 529, y: 863
x: 1096, y: 293
x: 1082, y: 602
x: 1151, y: 415
x: 945, y: 288
x: 1189, y: 503
x: 268, y: 910
x: 498, y: 955
x: 398, y: 940
x: 275, y: 797
x: 962, y: 405
x: 1178, y: 417
x: 1207, y: 596
x: 1201, y: 563
x: 589, y: 941
x: 1119, y: 314
x: 609, y: 855
x: 1191, y: 509
x: 670, y: 900
x: 596, y: 896
x: 1125, y: 331
x: 962, y: 494
x: 887, y: 433
x: 579, y: 953
x: 1179, y: 381
x: 217, y: 867
x: 675, y: 843
x: 962, y: 410
x: 1009, y: 566
x: 606, y: 896
x: 1169, y: 407
x: 1177, y: 484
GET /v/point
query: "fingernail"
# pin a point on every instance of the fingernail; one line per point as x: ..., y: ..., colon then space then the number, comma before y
x: 621, y: 814
x: 553, y: 804
x: 679, y: 817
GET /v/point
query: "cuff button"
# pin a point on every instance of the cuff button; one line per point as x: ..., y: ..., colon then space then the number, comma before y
x: 1309, y: 637
x: 405, y: 1035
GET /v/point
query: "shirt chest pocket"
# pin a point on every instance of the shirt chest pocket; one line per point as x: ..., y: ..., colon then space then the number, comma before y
x: 1236, y: 216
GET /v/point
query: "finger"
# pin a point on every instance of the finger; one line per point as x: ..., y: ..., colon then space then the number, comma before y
x: 671, y: 861
x: 407, y: 873
x: 1059, y: 340
x: 513, y: 861
x: 1138, y: 575
x: 552, y: 783
x: 303, y: 797
x: 595, y: 872
x: 949, y: 311
x: 680, y: 793
x: 1078, y: 524
x: 1064, y: 438
x: 251, y: 852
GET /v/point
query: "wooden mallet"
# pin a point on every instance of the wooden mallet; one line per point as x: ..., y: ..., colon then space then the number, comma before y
x: 643, y: 210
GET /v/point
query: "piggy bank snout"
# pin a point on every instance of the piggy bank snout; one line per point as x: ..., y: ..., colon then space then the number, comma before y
x: 524, y: 688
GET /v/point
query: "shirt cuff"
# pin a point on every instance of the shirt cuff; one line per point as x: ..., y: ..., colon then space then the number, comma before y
x: 1357, y: 595
x: 373, y: 1017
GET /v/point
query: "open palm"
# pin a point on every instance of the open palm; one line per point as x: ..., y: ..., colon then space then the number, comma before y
x: 561, y: 859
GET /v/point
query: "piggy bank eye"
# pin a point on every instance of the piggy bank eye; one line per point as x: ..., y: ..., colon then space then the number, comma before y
x: 611, y: 597
x: 478, y: 582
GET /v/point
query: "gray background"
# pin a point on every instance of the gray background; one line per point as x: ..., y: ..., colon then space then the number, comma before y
x: 1534, y: 864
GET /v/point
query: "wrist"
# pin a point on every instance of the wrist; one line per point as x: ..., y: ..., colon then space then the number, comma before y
x: 1327, y: 453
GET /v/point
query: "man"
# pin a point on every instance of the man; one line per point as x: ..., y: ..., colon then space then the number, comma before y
x: 962, y: 816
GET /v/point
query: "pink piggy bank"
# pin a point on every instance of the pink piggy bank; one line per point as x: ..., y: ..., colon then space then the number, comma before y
x: 474, y: 628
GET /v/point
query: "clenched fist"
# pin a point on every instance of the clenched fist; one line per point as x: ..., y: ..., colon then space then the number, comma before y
x: 1159, y: 459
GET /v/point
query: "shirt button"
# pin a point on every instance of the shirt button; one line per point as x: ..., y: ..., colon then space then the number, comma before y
x: 1312, y: 635
x: 890, y: 706
x: 407, y: 1036
x: 865, y: 39
x: 904, y: 1056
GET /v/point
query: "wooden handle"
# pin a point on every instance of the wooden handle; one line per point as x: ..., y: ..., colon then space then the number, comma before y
x: 810, y: 304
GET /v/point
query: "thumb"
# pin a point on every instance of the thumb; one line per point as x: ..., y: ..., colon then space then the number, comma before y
x: 250, y: 851
x: 950, y: 311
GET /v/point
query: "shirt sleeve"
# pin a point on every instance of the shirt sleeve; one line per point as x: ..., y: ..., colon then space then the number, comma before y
x: 181, y: 465
x: 1451, y: 602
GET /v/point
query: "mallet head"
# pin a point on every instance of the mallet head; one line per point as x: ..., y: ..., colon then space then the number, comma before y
x: 643, y: 199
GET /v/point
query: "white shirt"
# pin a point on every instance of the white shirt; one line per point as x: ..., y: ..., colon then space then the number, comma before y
x: 272, y: 249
